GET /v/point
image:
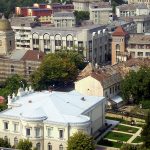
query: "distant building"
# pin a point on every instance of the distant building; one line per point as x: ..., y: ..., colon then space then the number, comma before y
x: 128, y: 10
x: 81, y: 39
x: 83, y: 5
x: 7, y: 37
x: 64, y: 19
x: 22, y: 27
x: 58, y: 7
x: 101, y: 12
x: 146, y: 2
x: 126, y: 46
x: 49, y: 118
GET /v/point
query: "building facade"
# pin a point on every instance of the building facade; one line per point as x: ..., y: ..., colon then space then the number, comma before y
x: 64, y: 19
x: 52, y: 119
x: 76, y: 38
x: 146, y: 2
x: 22, y: 27
x: 7, y: 37
x: 129, y: 10
x: 100, y: 13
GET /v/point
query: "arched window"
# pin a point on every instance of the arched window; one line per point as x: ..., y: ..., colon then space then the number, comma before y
x: 15, y: 141
x: 49, y: 146
x: 60, y: 147
x: 46, y: 39
x: 69, y: 41
x: 38, y: 146
x: 58, y: 41
x: 117, y: 47
x: 35, y: 40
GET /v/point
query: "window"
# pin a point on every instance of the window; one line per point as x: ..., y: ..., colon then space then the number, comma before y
x: 12, y: 68
x: 117, y: 47
x: 15, y: 141
x: 5, y: 125
x: 29, y: 70
x: 147, y: 54
x: 140, y: 53
x: 57, y: 42
x: 61, y: 134
x: 49, y: 146
x: 37, y: 132
x: 49, y: 132
x: 38, y: 146
x: 110, y: 90
x: 10, y: 43
x: 15, y: 127
x: 27, y: 131
x: 60, y: 147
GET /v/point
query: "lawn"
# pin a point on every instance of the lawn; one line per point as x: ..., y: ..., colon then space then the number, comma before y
x: 118, y: 136
x: 126, y: 129
x: 109, y: 143
x: 138, y: 139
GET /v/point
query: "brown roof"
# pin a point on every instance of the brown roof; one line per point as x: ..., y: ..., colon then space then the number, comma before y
x: 119, y: 32
x: 33, y: 55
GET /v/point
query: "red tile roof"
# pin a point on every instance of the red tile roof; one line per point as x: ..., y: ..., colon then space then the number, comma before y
x: 119, y: 32
x: 33, y: 55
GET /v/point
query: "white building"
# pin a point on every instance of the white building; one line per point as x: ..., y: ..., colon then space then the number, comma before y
x: 64, y: 19
x: 146, y: 2
x: 22, y: 27
x: 48, y: 118
x: 51, y: 39
x: 128, y: 10
x: 100, y: 13
x: 83, y: 5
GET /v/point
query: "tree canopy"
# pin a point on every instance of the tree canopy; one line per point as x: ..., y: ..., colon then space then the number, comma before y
x: 81, y: 141
x: 57, y: 69
x: 136, y: 85
x: 24, y: 145
x: 4, y: 143
x: 12, y: 84
x: 146, y: 132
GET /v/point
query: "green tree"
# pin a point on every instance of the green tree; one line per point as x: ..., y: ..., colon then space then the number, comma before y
x: 146, y: 132
x: 136, y: 85
x: 24, y: 145
x: 57, y: 69
x: 4, y: 143
x: 81, y: 15
x: 12, y: 84
x: 81, y: 141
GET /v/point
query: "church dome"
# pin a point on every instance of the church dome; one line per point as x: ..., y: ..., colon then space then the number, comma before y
x: 5, y: 25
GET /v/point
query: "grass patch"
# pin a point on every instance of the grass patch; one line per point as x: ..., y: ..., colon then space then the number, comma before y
x: 126, y: 128
x: 138, y: 139
x: 110, y: 143
x: 118, y: 136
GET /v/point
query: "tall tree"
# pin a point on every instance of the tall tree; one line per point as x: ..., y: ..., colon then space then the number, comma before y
x: 57, y: 69
x: 136, y: 85
x: 81, y: 141
x: 146, y: 132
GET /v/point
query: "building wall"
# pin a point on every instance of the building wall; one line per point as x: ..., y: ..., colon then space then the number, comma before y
x: 7, y: 42
x: 81, y: 6
x: 97, y: 115
x: 146, y: 2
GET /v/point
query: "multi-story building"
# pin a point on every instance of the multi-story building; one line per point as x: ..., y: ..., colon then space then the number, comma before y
x: 146, y: 2
x: 7, y: 37
x: 100, y: 13
x: 126, y: 46
x: 22, y: 27
x: 58, y: 7
x: 128, y: 10
x: 49, y: 118
x: 139, y: 46
x: 105, y: 81
x: 64, y: 19
x: 81, y: 39
x: 83, y: 5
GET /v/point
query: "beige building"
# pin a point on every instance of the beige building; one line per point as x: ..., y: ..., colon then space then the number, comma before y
x: 48, y: 119
x: 81, y: 39
x: 7, y: 37
x: 100, y: 12
x: 129, y: 10
x: 22, y: 27
x: 64, y: 19
x: 146, y: 2
x: 83, y: 5
x: 139, y: 46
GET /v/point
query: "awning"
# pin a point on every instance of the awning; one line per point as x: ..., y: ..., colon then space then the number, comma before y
x: 117, y: 99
